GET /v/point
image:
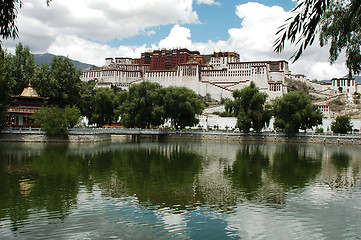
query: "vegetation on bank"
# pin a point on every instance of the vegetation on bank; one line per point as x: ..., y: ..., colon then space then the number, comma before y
x: 342, y: 124
x: 144, y: 105
x: 292, y: 112
x: 250, y: 109
x: 55, y: 120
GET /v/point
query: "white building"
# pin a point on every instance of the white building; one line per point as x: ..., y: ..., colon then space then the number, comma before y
x: 218, y: 77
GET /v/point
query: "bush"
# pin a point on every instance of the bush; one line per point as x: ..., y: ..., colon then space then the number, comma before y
x: 319, y: 130
x: 342, y: 124
x: 55, y: 120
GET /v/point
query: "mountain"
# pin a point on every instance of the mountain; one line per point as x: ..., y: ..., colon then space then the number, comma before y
x: 46, y: 58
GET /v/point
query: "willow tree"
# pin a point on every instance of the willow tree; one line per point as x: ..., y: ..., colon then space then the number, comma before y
x: 8, y: 13
x: 249, y: 108
x: 144, y: 106
x: 182, y: 105
x: 337, y: 22
x: 295, y: 111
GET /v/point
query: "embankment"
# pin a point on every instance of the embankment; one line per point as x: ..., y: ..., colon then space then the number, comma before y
x: 39, y: 137
x: 267, y: 137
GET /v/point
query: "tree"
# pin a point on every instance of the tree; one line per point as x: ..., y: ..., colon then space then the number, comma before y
x: 181, y: 106
x: 249, y: 108
x: 20, y: 68
x: 295, y: 111
x: 55, y: 120
x: 341, y: 26
x: 342, y: 124
x: 338, y: 21
x: 87, y: 94
x: 59, y: 81
x: 9, y: 10
x: 103, y: 106
x: 4, y: 90
x: 143, y: 106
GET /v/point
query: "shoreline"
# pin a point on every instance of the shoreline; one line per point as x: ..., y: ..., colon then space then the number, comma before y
x: 349, y: 139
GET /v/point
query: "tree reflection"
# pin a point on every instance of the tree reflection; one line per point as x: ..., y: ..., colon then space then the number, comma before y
x: 293, y: 167
x: 174, y: 176
x: 246, y: 171
x: 343, y: 179
x: 163, y: 177
x: 265, y: 181
x: 36, y: 182
x: 341, y: 160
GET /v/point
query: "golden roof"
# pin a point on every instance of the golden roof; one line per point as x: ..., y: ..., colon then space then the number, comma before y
x: 29, y: 92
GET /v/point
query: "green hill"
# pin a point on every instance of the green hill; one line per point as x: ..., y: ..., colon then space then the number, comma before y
x: 46, y: 58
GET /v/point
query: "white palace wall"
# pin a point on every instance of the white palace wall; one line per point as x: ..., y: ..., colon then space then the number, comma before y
x: 218, y: 82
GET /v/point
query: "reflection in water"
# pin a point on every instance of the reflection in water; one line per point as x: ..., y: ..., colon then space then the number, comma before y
x: 161, y: 185
x: 294, y: 167
x: 342, y: 179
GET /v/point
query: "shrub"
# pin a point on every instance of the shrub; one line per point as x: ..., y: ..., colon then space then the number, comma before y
x: 55, y: 120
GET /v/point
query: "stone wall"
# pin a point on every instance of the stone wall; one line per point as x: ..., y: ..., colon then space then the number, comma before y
x: 212, y: 135
x: 31, y: 137
x: 222, y: 136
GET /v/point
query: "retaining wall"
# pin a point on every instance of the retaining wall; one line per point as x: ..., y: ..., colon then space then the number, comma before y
x: 38, y: 137
x: 264, y: 137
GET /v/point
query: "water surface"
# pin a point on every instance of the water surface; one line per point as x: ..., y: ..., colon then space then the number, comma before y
x: 179, y: 190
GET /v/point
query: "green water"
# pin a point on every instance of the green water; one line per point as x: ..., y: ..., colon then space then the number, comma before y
x: 179, y: 190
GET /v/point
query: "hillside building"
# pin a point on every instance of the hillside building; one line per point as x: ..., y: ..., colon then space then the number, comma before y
x: 217, y: 74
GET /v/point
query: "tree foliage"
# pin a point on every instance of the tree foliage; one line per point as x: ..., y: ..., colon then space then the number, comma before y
x: 149, y: 104
x: 342, y: 124
x: 181, y: 106
x: 8, y: 10
x: 4, y: 90
x: 59, y: 81
x: 55, y: 120
x: 249, y: 108
x: 294, y: 111
x: 338, y: 21
x: 103, y: 105
x: 8, y: 13
x: 143, y: 106
x: 87, y: 94
x: 20, y: 69
x: 341, y: 27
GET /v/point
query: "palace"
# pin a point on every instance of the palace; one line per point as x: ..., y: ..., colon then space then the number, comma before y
x: 217, y: 74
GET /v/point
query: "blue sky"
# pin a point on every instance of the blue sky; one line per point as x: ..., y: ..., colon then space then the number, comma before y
x: 215, y: 20
x: 92, y: 30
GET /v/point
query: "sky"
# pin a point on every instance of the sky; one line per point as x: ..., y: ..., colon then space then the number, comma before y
x: 92, y: 30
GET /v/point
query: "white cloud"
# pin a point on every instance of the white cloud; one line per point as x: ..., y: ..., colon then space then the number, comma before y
x: 178, y: 37
x: 99, y: 20
x: 89, y: 52
x: 77, y: 29
x: 256, y: 35
x: 208, y: 2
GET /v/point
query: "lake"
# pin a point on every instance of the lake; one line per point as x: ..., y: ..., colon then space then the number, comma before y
x: 179, y: 190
